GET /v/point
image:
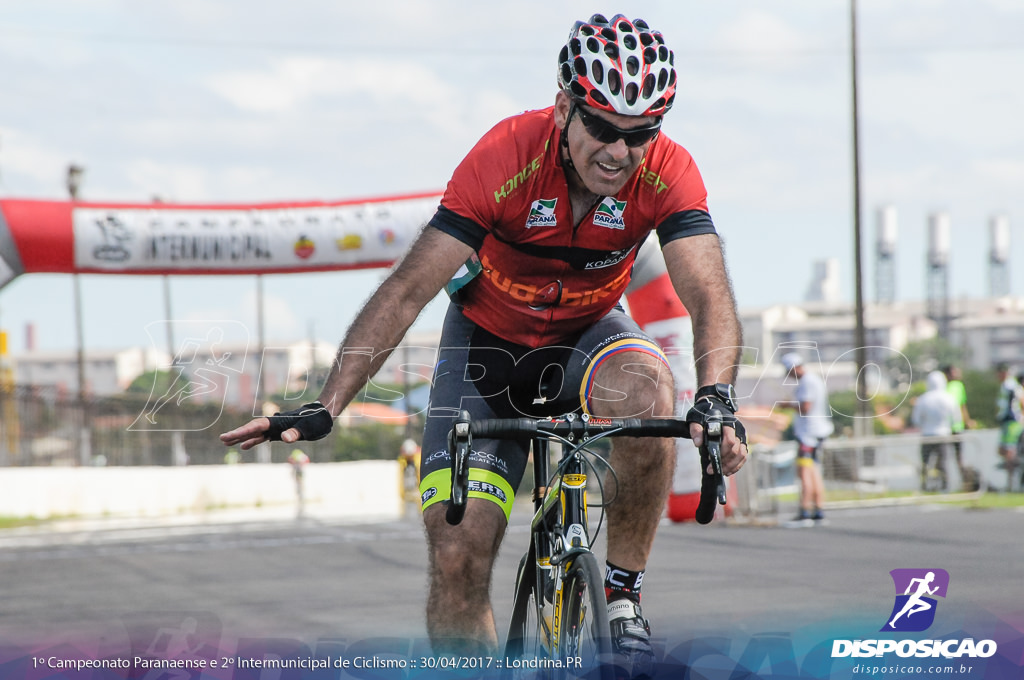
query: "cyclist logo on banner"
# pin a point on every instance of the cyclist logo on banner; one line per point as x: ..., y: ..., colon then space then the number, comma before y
x: 915, y: 605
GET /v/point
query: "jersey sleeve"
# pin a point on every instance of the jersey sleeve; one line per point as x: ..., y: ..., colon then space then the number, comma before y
x: 471, y: 203
x: 685, y: 207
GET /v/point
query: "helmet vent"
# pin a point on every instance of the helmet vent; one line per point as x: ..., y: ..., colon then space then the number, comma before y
x: 649, y: 85
x: 662, y: 79
x: 614, y: 83
x: 631, y: 93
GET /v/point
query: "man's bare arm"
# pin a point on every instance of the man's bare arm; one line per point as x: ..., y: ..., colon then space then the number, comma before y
x: 379, y: 327
x: 697, y: 268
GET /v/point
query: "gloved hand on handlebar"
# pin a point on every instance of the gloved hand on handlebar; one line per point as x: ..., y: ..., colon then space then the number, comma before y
x: 720, y: 400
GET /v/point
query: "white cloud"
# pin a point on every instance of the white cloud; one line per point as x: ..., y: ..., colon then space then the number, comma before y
x: 23, y: 155
x: 293, y: 82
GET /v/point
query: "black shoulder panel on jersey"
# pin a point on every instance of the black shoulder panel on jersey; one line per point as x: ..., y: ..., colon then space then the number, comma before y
x: 462, y: 228
x: 685, y: 223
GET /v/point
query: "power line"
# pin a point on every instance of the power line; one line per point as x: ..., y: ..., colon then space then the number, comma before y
x: 447, y: 49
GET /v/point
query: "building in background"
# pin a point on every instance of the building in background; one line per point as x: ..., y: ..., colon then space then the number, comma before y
x: 988, y: 330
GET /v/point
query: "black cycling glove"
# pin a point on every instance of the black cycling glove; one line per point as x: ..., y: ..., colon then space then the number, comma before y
x: 709, y: 405
x: 313, y: 421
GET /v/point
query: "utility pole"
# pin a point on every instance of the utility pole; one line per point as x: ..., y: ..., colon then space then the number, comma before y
x: 862, y: 423
x: 74, y: 184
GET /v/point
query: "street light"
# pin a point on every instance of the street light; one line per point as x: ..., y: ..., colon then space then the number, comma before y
x: 74, y: 184
x: 861, y: 422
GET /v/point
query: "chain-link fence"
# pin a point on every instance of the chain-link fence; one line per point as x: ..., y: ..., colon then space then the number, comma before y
x: 48, y: 426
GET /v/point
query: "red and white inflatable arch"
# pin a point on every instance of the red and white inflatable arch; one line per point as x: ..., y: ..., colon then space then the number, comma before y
x: 292, y: 237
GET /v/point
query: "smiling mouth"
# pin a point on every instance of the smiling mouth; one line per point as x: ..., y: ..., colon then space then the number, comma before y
x: 609, y: 169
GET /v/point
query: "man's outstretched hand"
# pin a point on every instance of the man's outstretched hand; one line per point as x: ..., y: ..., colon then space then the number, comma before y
x: 310, y: 422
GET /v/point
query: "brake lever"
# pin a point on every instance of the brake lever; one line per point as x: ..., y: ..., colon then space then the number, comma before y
x: 712, y: 488
x: 460, y: 442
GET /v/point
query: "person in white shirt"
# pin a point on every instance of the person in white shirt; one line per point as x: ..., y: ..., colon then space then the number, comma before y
x: 812, y: 425
x: 934, y: 414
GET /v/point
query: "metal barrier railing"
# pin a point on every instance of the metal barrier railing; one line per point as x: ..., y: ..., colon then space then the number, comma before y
x: 899, y: 468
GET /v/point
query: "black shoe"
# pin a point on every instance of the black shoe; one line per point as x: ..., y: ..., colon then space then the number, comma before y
x: 631, y: 639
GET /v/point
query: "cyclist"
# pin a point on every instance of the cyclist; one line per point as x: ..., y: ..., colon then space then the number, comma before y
x: 534, y: 240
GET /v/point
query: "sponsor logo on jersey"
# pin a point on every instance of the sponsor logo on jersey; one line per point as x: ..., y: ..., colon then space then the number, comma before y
x: 609, y: 214
x: 542, y: 213
x: 487, y: 488
x: 609, y: 260
x: 532, y: 294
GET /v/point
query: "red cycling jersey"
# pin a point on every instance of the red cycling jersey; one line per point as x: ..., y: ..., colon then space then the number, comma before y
x: 543, y: 281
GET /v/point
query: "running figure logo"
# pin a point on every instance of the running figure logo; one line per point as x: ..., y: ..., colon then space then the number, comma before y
x: 914, y: 609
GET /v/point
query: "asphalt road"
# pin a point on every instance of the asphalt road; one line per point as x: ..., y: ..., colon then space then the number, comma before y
x: 315, y: 583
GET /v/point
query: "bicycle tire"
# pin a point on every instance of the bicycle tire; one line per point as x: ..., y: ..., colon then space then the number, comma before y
x: 526, y: 639
x: 584, y: 631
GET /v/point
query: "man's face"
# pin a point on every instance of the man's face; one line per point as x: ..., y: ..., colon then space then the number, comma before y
x: 604, y: 167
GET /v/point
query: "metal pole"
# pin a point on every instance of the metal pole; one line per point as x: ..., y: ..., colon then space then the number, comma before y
x: 74, y: 182
x: 168, y: 317
x: 263, y: 451
x: 862, y: 422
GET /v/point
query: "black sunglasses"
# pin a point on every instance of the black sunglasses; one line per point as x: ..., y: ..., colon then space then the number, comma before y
x: 606, y: 133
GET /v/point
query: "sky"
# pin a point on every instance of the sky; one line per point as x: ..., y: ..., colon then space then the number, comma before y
x: 251, y: 101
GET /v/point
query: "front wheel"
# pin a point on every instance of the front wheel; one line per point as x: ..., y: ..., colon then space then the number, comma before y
x: 529, y: 637
x: 584, y: 635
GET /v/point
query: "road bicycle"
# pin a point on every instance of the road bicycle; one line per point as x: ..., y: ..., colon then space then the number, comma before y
x: 559, y: 625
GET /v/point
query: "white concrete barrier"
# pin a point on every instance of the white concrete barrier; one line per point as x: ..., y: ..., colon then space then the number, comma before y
x: 360, y: 489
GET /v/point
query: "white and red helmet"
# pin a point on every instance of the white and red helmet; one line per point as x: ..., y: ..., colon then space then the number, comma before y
x: 620, y: 66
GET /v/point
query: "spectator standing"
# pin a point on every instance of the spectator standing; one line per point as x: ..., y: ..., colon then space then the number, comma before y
x: 299, y: 460
x: 812, y: 425
x: 955, y: 388
x: 1009, y: 407
x: 934, y: 414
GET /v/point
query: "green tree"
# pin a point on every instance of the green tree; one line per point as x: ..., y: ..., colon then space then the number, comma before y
x: 982, y: 387
x: 917, y: 358
x: 156, y: 382
x: 370, y: 441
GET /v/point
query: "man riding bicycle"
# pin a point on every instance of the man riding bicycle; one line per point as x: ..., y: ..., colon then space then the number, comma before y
x: 535, y: 238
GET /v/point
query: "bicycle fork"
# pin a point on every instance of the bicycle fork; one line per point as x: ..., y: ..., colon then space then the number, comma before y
x: 559, y: 531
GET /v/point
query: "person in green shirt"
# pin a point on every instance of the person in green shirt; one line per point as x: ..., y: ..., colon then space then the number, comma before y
x: 962, y: 421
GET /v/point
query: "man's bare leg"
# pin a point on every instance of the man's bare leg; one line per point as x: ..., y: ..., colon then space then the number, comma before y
x: 636, y: 385
x: 460, y: 619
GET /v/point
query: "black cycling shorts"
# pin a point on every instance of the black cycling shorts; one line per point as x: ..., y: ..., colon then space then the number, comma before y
x: 479, y: 372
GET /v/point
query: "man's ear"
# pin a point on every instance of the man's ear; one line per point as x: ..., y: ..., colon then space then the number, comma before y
x: 562, y: 106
